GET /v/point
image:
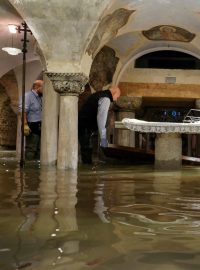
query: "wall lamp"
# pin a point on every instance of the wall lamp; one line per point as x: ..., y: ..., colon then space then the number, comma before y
x: 12, y: 50
x: 12, y: 28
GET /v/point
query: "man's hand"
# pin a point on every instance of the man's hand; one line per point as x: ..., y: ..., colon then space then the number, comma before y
x: 27, y: 130
x: 104, y: 143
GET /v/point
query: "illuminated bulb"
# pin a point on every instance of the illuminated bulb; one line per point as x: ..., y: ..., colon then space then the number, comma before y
x: 12, y: 28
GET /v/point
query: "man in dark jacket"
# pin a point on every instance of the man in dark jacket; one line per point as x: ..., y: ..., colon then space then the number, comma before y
x: 93, y: 117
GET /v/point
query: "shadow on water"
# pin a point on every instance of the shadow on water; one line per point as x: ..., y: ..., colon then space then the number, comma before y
x: 102, y: 217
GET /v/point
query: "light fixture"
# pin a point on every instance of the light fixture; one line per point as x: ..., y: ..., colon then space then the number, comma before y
x: 12, y: 51
x: 12, y: 28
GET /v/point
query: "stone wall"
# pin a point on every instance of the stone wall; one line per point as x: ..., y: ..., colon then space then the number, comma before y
x: 164, y: 90
x: 8, y: 121
x: 103, y: 68
x: 163, y: 83
x: 153, y: 75
x: 9, y: 82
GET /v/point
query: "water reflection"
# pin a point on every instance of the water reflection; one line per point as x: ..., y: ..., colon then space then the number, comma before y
x: 161, y: 222
x: 43, y: 203
x: 106, y: 218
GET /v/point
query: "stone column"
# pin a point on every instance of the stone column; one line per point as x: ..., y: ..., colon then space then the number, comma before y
x: 69, y: 86
x: 127, y: 107
x: 168, y: 151
x: 49, y: 136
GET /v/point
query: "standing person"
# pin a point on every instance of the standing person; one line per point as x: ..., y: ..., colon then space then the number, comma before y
x: 32, y: 120
x: 93, y: 117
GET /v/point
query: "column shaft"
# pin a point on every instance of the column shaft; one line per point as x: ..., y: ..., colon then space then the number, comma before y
x: 125, y: 137
x: 49, y: 136
x: 168, y: 151
x: 127, y: 106
x: 68, y: 133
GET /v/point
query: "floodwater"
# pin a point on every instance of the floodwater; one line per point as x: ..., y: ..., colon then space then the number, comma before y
x: 103, y: 217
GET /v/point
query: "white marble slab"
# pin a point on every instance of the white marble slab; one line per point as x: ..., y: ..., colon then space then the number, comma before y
x: 158, y: 127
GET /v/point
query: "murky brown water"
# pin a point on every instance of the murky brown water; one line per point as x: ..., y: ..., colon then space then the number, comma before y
x: 105, y: 218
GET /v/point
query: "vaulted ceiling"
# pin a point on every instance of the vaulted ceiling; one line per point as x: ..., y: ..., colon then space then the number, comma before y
x: 70, y: 33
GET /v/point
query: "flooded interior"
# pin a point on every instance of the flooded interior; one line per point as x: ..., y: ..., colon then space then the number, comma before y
x: 101, y: 217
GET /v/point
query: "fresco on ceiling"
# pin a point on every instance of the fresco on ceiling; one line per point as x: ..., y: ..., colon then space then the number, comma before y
x: 168, y: 32
x: 108, y: 29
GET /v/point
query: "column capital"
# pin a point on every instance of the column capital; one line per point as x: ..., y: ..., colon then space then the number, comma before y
x: 71, y: 84
x: 125, y: 103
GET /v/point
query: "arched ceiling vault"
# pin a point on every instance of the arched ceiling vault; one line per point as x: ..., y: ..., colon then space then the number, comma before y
x: 145, y: 32
x: 62, y: 29
x: 71, y: 33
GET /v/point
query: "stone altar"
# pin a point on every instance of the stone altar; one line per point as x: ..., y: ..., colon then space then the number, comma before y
x: 168, y: 142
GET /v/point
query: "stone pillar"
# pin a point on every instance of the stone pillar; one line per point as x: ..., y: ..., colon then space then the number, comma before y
x: 69, y: 86
x: 127, y: 107
x: 168, y: 151
x: 49, y: 136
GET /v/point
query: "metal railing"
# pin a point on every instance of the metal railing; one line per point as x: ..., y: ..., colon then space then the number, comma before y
x: 192, y: 116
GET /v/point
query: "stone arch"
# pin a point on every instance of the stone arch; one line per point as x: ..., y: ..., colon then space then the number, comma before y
x: 120, y: 72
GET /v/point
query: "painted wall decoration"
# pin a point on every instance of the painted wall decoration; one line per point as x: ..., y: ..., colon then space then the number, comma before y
x: 103, y: 68
x: 108, y: 29
x: 169, y: 33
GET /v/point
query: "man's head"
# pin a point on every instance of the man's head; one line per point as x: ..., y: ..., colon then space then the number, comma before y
x: 38, y: 87
x: 115, y: 91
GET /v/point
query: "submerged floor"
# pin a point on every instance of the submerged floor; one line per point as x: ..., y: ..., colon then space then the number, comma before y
x: 128, y: 217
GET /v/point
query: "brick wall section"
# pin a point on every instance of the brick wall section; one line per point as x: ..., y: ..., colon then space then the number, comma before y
x: 8, y: 121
